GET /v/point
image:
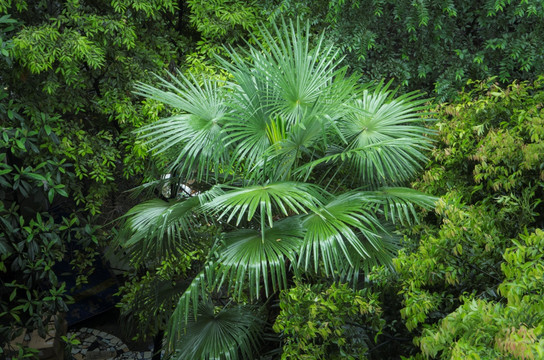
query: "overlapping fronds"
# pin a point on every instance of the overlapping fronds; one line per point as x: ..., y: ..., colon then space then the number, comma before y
x: 281, y: 145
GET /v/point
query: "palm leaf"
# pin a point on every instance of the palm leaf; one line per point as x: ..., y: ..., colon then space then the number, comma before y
x: 158, y: 227
x: 387, y: 161
x: 331, y: 236
x: 399, y: 203
x: 249, y: 258
x: 377, y: 118
x: 229, y: 333
x: 200, y: 288
x: 194, y: 136
x: 285, y: 197
x: 379, y: 253
x: 285, y: 83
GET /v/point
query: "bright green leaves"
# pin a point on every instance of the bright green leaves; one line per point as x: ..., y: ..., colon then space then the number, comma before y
x: 524, y: 271
x: 490, y: 330
x: 247, y: 259
x: 38, y: 48
x: 319, y: 322
x: 158, y: 227
x: 196, y: 131
x: 224, y: 20
x: 286, y: 198
x: 301, y: 77
x: 332, y: 234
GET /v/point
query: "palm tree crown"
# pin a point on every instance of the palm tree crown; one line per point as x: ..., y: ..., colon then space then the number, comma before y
x: 300, y: 166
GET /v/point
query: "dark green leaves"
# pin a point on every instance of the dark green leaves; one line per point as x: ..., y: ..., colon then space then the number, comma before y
x: 226, y: 333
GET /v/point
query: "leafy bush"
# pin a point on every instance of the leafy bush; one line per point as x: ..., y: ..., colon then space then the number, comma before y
x: 320, y: 322
x: 487, y: 166
x: 431, y: 45
x: 481, y: 329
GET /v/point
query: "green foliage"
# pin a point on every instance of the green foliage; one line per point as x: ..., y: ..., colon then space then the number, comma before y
x: 33, y: 237
x: 489, y: 330
x: 463, y: 256
x: 221, y: 333
x: 220, y: 23
x: 431, y: 45
x: 298, y: 167
x: 490, y: 150
x: 487, y: 168
x: 148, y: 301
x: 320, y: 322
x: 66, y: 116
x: 224, y: 19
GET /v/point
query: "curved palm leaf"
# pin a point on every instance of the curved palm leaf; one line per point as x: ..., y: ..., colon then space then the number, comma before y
x: 381, y: 253
x: 332, y: 234
x: 377, y: 116
x: 249, y: 258
x: 157, y: 226
x: 285, y: 197
x: 299, y: 79
x: 285, y: 83
x: 195, y: 134
x: 394, y: 126
x: 398, y: 203
x: 230, y: 333
x: 249, y: 119
x: 384, y: 162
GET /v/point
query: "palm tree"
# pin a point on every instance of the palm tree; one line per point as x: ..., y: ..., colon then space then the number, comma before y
x: 300, y: 166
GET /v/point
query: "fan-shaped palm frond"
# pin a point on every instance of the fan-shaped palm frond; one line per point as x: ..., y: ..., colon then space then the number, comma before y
x: 283, y: 197
x: 399, y: 203
x: 246, y: 128
x: 331, y: 236
x: 158, y: 227
x: 393, y: 125
x: 286, y: 85
x: 229, y: 333
x: 249, y: 258
x: 377, y: 116
x: 196, y: 133
x: 199, y: 289
x: 384, y: 162
x: 379, y: 253
x: 298, y: 77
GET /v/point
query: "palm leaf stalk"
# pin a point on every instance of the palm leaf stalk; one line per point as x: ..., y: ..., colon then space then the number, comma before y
x: 304, y: 170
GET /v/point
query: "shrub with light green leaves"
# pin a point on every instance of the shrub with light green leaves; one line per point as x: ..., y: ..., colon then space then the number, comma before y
x: 482, y: 329
x: 487, y: 167
x: 319, y: 322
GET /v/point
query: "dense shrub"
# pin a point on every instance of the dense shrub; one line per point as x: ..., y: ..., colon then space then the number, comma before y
x: 320, y: 322
x: 481, y: 329
x: 473, y: 266
x: 427, y: 44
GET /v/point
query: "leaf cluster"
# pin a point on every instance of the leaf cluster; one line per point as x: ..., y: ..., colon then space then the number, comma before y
x: 429, y: 45
x: 327, y: 322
